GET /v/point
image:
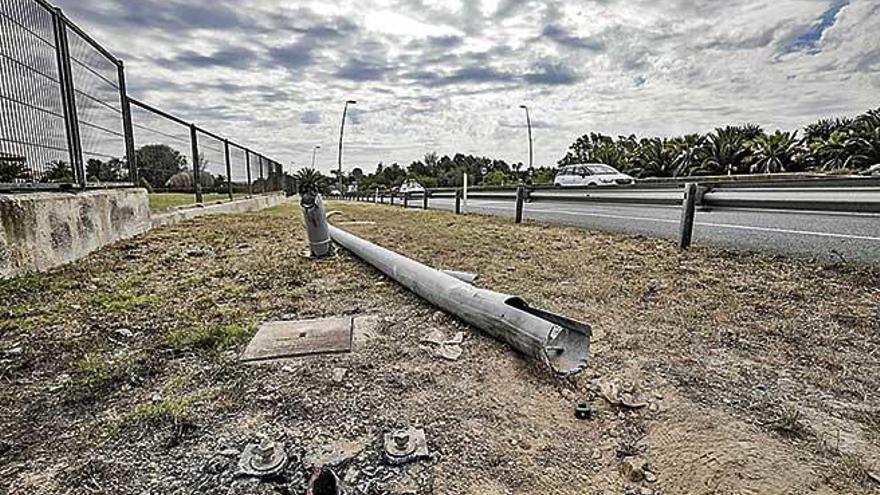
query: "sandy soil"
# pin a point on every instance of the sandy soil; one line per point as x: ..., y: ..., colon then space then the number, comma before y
x: 119, y: 372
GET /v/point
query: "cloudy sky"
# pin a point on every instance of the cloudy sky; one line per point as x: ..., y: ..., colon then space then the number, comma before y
x: 449, y: 76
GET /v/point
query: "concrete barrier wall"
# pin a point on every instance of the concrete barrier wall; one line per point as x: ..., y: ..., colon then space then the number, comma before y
x: 43, y: 230
x: 240, y: 206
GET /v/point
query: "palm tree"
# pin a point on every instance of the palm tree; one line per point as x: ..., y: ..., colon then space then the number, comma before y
x: 774, y: 152
x: 864, y: 149
x: 831, y: 153
x: 309, y: 180
x: 688, y: 150
x: 725, y: 151
x: 654, y: 159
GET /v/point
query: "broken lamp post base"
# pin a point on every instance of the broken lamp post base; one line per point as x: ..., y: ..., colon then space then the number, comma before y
x: 320, y: 245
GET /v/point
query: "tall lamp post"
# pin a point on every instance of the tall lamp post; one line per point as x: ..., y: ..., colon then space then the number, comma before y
x: 341, y: 132
x: 529, y: 124
x: 314, y: 152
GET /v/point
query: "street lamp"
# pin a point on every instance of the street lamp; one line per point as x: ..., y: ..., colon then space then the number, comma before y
x: 315, y: 152
x: 341, y: 132
x: 529, y: 124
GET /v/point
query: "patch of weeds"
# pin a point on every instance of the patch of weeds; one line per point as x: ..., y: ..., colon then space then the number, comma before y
x: 122, y: 301
x: 97, y: 375
x: 208, y: 338
x: 790, y: 422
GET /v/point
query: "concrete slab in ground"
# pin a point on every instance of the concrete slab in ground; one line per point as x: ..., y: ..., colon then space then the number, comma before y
x: 280, y: 339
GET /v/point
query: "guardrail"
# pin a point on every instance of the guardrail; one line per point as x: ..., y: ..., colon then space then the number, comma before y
x: 831, y: 195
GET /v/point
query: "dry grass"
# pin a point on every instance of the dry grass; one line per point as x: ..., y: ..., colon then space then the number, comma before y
x: 743, y: 348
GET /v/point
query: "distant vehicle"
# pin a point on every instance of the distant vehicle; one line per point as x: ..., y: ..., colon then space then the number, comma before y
x: 591, y: 175
x: 410, y: 186
x: 872, y: 170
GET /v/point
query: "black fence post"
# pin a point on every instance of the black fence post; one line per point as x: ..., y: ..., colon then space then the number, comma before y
x: 68, y: 97
x: 127, y: 128
x: 406, y: 200
x: 247, y: 161
x: 425, y: 200
x: 520, y: 199
x: 228, y: 168
x: 197, y: 175
x: 458, y: 201
x: 688, y: 205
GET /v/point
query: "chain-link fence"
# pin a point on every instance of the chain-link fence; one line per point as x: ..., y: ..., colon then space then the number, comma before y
x: 66, y: 120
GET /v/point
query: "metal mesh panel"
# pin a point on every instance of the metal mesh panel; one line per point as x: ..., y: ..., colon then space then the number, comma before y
x: 163, y: 151
x: 238, y: 166
x: 64, y: 116
x: 212, y: 163
x: 95, y: 80
x: 33, y: 140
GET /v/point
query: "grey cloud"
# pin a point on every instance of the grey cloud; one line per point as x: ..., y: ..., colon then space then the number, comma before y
x: 361, y: 70
x: 549, y: 73
x: 562, y: 37
x: 233, y: 57
x: 292, y: 56
x: 310, y: 117
x: 445, y: 41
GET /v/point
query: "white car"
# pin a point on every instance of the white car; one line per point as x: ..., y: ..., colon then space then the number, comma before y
x: 412, y: 187
x: 590, y: 175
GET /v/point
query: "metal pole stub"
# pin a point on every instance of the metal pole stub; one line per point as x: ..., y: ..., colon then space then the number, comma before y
x: 458, y: 201
x: 317, y: 231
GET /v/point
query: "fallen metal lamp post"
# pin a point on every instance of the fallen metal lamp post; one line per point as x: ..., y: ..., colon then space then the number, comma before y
x: 560, y: 342
x: 316, y: 225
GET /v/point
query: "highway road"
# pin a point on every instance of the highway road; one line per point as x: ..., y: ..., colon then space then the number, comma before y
x: 830, y: 236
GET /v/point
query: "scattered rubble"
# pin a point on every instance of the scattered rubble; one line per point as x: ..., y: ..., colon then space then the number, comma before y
x: 449, y: 349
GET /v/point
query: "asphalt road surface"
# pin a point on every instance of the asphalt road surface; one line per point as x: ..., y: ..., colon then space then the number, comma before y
x: 830, y: 236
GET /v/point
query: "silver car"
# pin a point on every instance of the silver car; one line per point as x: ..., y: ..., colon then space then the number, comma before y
x: 591, y: 175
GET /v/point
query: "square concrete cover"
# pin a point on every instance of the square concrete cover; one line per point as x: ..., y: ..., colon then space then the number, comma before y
x: 278, y: 339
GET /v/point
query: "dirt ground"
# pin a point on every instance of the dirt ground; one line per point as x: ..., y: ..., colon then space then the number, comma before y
x: 118, y: 373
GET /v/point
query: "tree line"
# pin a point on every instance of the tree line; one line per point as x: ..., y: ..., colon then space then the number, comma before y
x: 842, y: 145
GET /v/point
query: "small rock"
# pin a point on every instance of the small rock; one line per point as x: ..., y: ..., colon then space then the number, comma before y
x: 156, y: 397
x: 14, y: 351
x: 230, y: 452
x: 650, y: 477
x: 646, y: 491
x: 874, y: 476
x: 338, y: 374
x: 632, y: 471
x: 449, y: 352
x: 438, y: 316
x: 124, y: 332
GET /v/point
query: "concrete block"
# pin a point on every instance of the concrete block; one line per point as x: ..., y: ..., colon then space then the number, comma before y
x: 42, y: 230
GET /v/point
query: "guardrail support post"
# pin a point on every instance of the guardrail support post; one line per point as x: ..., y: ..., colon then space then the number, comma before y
x: 425, y: 200
x: 197, y: 175
x: 391, y: 196
x: 458, y: 201
x: 406, y: 200
x: 688, y: 205
x: 520, y: 199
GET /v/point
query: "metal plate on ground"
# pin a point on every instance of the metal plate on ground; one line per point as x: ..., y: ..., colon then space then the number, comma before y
x: 280, y: 339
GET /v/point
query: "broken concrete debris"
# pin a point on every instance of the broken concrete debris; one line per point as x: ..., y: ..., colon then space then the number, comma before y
x: 627, y: 396
x: 405, y: 445
x: 333, y: 455
x: 637, y: 470
x: 449, y: 349
x: 338, y: 374
x: 263, y: 460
